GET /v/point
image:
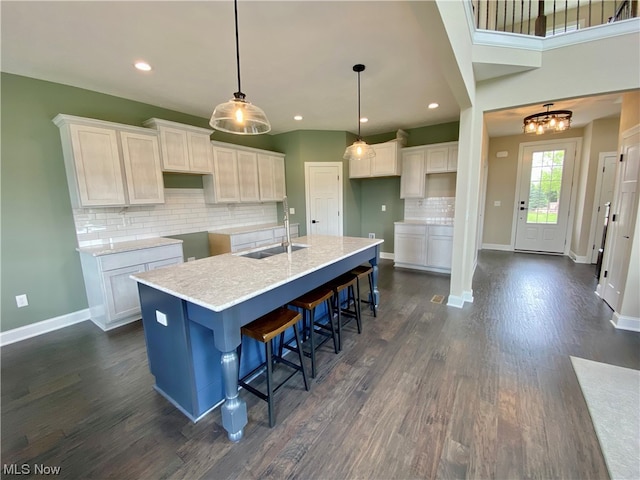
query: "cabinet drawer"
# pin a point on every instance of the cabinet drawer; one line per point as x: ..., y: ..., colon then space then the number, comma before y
x: 137, y: 257
x: 259, y: 236
x: 411, y: 229
x: 441, y: 230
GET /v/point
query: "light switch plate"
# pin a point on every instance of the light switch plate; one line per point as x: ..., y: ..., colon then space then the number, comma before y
x: 21, y: 301
x: 384, y: 208
x: 497, y: 203
x: 161, y: 318
x: 292, y: 211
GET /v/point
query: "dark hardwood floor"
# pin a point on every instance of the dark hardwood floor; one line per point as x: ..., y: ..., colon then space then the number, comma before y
x: 427, y: 391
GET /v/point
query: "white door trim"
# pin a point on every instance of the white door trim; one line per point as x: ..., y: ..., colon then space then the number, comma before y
x: 577, y: 163
x: 594, y: 214
x: 307, y: 166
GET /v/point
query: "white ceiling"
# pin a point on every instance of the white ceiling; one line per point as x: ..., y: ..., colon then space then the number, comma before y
x: 296, y: 58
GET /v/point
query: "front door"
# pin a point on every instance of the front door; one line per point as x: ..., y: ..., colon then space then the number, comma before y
x: 323, y: 187
x: 545, y: 194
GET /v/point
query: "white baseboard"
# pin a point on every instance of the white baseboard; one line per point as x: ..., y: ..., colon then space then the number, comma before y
x: 497, y: 246
x: 467, y: 296
x: 579, y: 258
x: 623, y: 322
x: 455, y: 301
x: 387, y: 256
x: 45, y: 326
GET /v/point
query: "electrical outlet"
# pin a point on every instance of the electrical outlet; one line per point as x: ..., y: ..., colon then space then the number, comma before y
x: 292, y: 211
x: 21, y: 300
x: 191, y: 259
x: 384, y: 208
x: 161, y: 318
x: 372, y: 235
x: 497, y: 203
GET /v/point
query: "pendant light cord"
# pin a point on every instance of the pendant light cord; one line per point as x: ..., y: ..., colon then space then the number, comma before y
x: 358, y: 105
x: 235, y: 5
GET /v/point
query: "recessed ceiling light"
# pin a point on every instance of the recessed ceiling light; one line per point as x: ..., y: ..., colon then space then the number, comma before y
x: 433, y: 105
x: 298, y: 117
x: 143, y: 66
x: 364, y: 120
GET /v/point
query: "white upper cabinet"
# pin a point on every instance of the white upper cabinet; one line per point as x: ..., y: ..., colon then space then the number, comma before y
x: 110, y: 164
x: 386, y: 163
x: 248, y: 177
x: 185, y: 148
x: 223, y: 186
x: 442, y: 158
x: 413, y: 173
x: 271, y: 178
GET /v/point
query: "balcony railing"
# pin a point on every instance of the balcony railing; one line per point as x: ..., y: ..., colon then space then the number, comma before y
x: 544, y: 18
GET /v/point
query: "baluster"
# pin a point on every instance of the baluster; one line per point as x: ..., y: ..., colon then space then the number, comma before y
x: 566, y: 6
x: 487, y: 14
x: 529, y: 19
x: 504, y: 17
x: 554, y: 18
x: 578, y: 16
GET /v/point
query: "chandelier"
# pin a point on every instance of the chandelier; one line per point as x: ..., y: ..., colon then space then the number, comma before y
x: 549, y: 121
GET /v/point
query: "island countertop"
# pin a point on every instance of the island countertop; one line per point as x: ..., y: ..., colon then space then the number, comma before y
x: 222, y: 281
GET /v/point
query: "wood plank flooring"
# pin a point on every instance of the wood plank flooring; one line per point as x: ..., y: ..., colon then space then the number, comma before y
x: 427, y: 391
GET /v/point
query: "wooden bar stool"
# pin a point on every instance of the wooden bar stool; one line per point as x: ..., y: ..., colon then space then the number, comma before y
x: 308, y: 303
x: 360, y: 271
x: 264, y: 330
x: 346, y: 282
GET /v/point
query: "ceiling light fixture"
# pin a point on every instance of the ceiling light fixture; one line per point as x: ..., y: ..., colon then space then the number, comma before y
x: 433, y: 105
x: 298, y: 117
x: 359, y: 149
x: 239, y: 116
x: 549, y: 121
x: 143, y: 66
x: 364, y: 120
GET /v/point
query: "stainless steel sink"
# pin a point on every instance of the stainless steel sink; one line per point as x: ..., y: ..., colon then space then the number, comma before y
x: 270, y: 251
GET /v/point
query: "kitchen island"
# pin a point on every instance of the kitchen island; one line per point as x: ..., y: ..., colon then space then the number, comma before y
x: 192, y: 315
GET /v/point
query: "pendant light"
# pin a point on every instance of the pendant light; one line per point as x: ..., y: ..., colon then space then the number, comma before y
x: 359, y: 150
x: 239, y: 116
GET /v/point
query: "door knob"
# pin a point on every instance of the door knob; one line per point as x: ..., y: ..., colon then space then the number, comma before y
x: 523, y: 208
x: 315, y: 221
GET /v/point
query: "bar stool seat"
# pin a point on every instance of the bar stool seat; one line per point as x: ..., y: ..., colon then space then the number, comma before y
x: 308, y: 303
x: 346, y: 282
x: 265, y: 329
x: 361, y: 271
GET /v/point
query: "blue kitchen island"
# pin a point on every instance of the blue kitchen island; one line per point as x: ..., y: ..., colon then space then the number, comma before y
x: 192, y: 315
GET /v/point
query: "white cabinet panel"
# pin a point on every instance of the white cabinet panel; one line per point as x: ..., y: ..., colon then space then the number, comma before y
x: 141, y: 157
x: 110, y: 164
x: 423, y: 247
x: 225, y: 175
x: 452, y: 161
x: 413, y: 176
x: 122, y: 292
x: 386, y: 163
x: 409, y: 249
x: 271, y: 178
x: 184, y: 148
x: 359, y: 168
x: 248, y: 177
x: 437, y: 159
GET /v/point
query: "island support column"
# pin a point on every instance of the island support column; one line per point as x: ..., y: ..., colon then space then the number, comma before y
x: 234, y: 409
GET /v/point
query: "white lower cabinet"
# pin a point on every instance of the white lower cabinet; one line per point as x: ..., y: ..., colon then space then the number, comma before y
x: 112, y: 295
x: 423, y: 247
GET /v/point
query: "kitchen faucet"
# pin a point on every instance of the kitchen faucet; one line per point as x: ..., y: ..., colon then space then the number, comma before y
x: 287, y: 241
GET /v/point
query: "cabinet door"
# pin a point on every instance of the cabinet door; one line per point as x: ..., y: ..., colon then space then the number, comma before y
x: 437, y: 158
x: 409, y: 248
x: 143, y: 171
x: 121, y: 292
x: 385, y: 163
x: 225, y: 175
x: 413, y: 175
x: 248, y: 176
x: 97, y: 164
x: 452, y: 162
x: 199, y: 152
x: 271, y: 178
x: 359, y: 168
x: 439, y: 251
x: 175, y: 149
x: 164, y: 263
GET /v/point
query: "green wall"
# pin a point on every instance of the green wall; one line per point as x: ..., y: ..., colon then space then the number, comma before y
x: 38, y: 237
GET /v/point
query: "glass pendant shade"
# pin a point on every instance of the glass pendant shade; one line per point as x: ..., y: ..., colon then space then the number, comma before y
x: 240, y: 117
x: 359, y: 151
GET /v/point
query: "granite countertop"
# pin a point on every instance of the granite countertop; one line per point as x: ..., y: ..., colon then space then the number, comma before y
x: 118, y: 247
x: 426, y: 221
x: 221, y: 281
x: 249, y: 228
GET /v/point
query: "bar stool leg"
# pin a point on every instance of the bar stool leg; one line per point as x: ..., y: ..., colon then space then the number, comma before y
x: 351, y: 295
x: 312, y: 337
x: 269, y: 352
x: 334, y: 332
x: 301, y: 356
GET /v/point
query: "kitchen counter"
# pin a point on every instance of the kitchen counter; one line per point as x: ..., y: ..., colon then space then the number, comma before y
x: 426, y: 221
x: 248, y: 228
x: 119, y: 247
x: 192, y: 315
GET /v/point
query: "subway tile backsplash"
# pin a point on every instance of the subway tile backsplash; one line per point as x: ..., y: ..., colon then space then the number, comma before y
x: 431, y: 208
x: 184, y: 211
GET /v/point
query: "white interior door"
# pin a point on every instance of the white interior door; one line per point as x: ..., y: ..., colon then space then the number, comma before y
x: 546, y: 173
x: 604, y: 193
x: 621, y: 223
x: 323, y: 187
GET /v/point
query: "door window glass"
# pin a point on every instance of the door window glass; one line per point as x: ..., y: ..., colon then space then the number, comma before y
x: 546, y: 183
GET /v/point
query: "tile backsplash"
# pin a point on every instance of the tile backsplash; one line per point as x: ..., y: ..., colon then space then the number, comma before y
x: 430, y: 208
x: 184, y: 211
